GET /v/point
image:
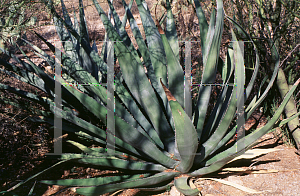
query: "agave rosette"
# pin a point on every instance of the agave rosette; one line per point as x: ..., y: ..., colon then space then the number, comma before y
x: 166, y: 145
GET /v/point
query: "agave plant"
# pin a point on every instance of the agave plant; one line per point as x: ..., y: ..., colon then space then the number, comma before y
x: 155, y: 140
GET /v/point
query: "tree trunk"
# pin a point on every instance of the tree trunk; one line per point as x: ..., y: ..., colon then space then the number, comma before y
x: 290, y: 108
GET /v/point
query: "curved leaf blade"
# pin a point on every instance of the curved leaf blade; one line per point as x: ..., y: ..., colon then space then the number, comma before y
x: 171, y: 32
x: 155, y: 179
x: 185, y: 134
x: 182, y: 186
x: 209, y: 72
x: 139, y: 85
x: 175, y: 72
x: 93, y: 181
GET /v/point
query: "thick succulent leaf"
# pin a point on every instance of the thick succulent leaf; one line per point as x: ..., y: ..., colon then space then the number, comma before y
x: 96, y: 134
x: 66, y: 39
x: 75, y: 70
x: 96, y: 131
x: 100, y: 111
x: 157, y: 188
x: 225, y: 139
x: 94, y: 46
x: 49, y: 82
x: 92, y: 54
x: 143, y: 49
x: 76, y: 42
x: 93, y: 181
x: 182, y: 186
x: 232, y: 132
x: 84, y: 77
x: 139, y: 85
x: 127, y: 99
x: 228, y: 65
x: 209, y: 72
x: 122, y: 164
x: 209, y: 36
x: 65, y: 13
x: 48, y: 103
x: 223, y: 99
x: 89, y: 151
x: 257, y: 61
x: 253, y: 101
x: 99, y: 75
x: 218, y: 113
x: 106, y: 44
x: 171, y: 32
x: 288, y: 119
x: 25, y: 76
x: 239, y: 79
x: 83, y: 57
x: 217, y: 165
x: 185, y: 134
x: 138, y: 115
x: 125, y: 17
x: 237, y: 95
x: 121, y: 30
x: 152, y: 180
x: 175, y: 72
x: 203, y: 25
x: 87, y: 64
x: 34, y: 79
x: 154, y: 42
x: 252, y: 137
x: 83, y: 133
x: 31, y: 190
x: 70, y: 117
x: 42, y: 54
x: 104, y: 49
x: 147, y: 61
x: 118, y: 152
x: 67, y: 156
x: 83, y: 26
x: 221, y: 130
x: 81, y: 77
x: 157, y: 54
x: 69, y: 59
x: 263, y: 96
x: 254, y: 75
x: 123, y: 130
x: 88, y: 79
